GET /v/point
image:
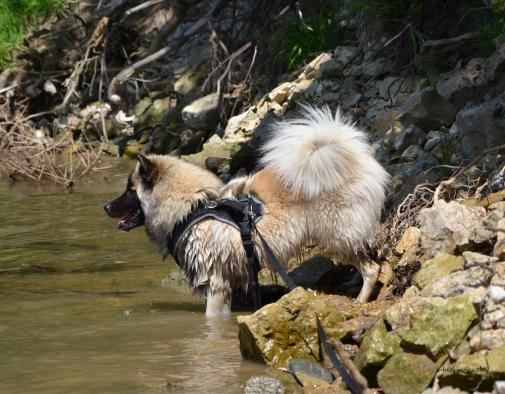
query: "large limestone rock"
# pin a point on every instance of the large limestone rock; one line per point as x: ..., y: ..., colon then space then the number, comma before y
x: 481, y: 126
x: 287, y: 329
x: 221, y: 157
x: 480, y: 78
x: 433, y: 269
x: 446, y: 226
x: 377, y: 346
x: 407, y: 373
x: 426, y: 109
x: 202, y: 113
x: 438, y: 326
x: 469, y: 370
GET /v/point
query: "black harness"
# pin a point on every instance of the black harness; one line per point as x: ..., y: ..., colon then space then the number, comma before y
x: 242, y: 214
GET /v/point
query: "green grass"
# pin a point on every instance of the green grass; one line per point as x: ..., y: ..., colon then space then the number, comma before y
x: 16, y: 17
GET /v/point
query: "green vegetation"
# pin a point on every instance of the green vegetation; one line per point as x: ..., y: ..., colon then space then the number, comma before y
x: 16, y: 17
x: 302, y: 38
x: 489, y: 31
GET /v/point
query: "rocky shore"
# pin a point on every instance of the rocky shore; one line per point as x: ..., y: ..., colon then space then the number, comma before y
x: 437, y: 321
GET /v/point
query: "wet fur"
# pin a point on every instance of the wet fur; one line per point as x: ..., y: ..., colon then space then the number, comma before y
x: 320, y: 183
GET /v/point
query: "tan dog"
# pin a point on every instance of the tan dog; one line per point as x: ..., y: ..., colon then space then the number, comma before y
x: 319, y: 183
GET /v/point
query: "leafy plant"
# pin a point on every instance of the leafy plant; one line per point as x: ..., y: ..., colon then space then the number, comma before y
x: 313, y: 34
x: 489, y: 31
x: 16, y: 16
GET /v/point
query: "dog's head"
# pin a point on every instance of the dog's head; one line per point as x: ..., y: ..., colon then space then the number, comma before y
x: 127, y: 206
x: 160, y: 192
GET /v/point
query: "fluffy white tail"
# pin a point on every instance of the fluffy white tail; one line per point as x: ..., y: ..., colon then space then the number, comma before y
x: 320, y: 153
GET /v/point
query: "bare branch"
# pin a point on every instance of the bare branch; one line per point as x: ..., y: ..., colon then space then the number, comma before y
x: 120, y: 79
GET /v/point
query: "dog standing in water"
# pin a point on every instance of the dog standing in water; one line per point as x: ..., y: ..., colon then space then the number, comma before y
x: 319, y: 183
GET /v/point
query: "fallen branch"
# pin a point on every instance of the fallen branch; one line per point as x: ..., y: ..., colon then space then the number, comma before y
x: 449, y: 42
x: 122, y: 77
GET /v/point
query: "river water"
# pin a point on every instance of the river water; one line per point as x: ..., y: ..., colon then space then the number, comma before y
x: 87, y: 309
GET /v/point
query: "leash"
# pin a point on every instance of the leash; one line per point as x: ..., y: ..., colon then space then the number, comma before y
x: 335, y: 360
x: 274, y: 261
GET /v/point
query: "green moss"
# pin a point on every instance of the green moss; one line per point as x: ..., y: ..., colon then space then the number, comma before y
x: 407, y: 373
x: 440, y: 328
x: 437, y: 267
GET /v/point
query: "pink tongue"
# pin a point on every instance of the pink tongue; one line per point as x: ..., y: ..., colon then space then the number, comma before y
x: 121, y: 224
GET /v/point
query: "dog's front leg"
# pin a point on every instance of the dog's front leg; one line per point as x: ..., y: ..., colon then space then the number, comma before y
x: 218, y: 298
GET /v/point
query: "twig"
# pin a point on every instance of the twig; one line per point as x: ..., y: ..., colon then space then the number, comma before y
x: 140, y: 7
x: 464, y: 169
x: 119, y: 80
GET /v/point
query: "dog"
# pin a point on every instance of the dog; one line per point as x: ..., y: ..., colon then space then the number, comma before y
x: 319, y: 182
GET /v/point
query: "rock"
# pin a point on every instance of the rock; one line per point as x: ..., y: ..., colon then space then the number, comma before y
x: 473, y: 259
x: 311, y: 271
x: 444, y: 390
x: 499, y: 247
x: 497, y: 293
x: 407, y: 373
x: 221, y: 156
x: 460, y: 86
x: 299, y: 366
x: 412, y: 152
x: 311, y: 70
x: 446, y: 226
x: 189, y: 82
x: 435, y: 138
x: 380, y: 117
x: 466, y: 372
x: 193, y: 72
x: 427, y: 110
x: 377, y: 346
x: 480, y: 368
x: 481, y: 127
x: 409, y: 242
x: 202, y: 113
x: 471, y: 282
x: 433, y: 269
x: 151, y: 112
x: 375, y: 68
x: 496, y: 363
x: 344, y: 55
x: 274, y: 333
x: 411, y: 135
x: 390, y: 87
x: 441, y: 327
x: 488, y: 339
x: 263, y: 385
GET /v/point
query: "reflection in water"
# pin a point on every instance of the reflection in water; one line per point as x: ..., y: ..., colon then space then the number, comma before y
x: 83, y: 309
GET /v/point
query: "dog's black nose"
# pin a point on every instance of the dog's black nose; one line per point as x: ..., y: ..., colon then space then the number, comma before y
x: 107, y: 208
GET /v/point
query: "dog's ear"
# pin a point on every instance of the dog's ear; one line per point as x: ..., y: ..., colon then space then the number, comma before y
x: 147, y: 170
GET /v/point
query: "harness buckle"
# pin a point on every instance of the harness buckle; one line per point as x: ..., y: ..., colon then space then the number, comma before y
x: 211, y: 204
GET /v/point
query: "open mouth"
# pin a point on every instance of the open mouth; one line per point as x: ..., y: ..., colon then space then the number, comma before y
x: 132, y: 219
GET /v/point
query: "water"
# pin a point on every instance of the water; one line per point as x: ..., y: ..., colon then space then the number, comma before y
x: 87, y: 309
